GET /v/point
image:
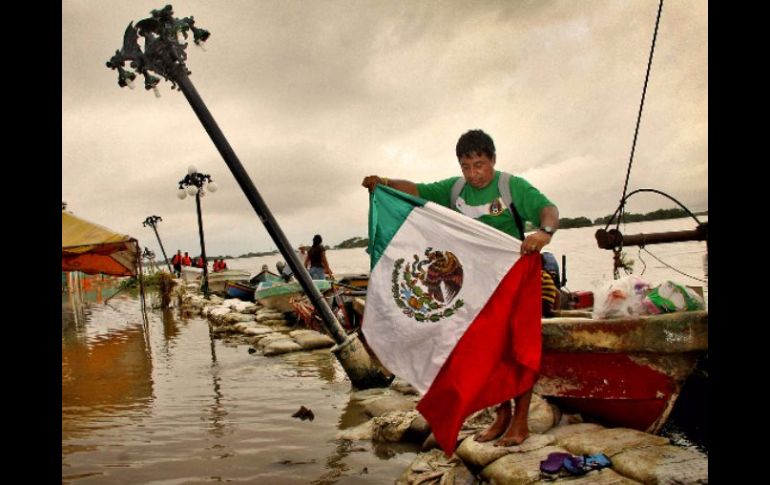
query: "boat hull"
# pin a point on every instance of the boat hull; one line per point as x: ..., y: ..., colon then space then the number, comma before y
x: 623, y: 372
x: 217, y: 280
x: 242, y: 291
x: 277, y: 295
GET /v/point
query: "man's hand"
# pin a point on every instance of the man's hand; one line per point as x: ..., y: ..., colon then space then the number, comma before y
x: 371, y: 182
x: 535, y: 242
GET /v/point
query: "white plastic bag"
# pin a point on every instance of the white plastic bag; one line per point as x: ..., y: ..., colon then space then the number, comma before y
x: 621, y: 298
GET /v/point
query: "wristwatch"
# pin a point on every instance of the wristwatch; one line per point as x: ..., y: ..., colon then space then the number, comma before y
x: 548, y: 230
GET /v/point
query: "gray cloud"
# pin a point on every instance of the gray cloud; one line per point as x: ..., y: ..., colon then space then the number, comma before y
x: 313, y: 96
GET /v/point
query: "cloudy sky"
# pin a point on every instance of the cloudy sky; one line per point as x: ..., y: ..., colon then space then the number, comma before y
x: 315, y: 95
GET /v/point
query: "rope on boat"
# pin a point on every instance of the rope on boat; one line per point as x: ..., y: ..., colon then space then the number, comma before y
x: 639, y: 115
x: 656, y: 192
x: 669, y: 266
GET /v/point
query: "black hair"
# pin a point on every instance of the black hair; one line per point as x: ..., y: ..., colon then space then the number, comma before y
x: 317, y: 240
x: 475, y: 141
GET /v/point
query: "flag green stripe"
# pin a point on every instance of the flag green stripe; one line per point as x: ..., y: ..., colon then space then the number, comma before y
x: 388, y: 209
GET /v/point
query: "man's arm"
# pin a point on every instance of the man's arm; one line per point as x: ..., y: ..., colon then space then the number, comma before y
x: 399, y: 184
x: 549, y: 217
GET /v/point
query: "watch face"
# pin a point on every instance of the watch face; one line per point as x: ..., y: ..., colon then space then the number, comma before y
x: 547, y: 230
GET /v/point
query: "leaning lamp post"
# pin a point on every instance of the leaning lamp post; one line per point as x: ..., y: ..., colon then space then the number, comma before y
x: 153, y: 221
x: 165, y: 54
x: 197, y: 184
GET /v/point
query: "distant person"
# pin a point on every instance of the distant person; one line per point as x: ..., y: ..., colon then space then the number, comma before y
x: 199, y: 262
x: 176, y: 261
x: 186, y: 260
x: 316, y: 262
x: 284, y: 271
x: 222, y: 265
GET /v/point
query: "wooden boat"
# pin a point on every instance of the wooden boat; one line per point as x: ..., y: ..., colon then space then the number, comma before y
x: 264, y: 275
x: 276, y: 295
x: 623, y: 371
x: 240, y: 289
x: 353, y: 280
x: 217, y: 280
x: 191, y: 273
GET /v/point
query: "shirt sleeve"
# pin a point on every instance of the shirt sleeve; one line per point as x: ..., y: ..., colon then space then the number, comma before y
x: 529, y: 200
x: 437, y: 192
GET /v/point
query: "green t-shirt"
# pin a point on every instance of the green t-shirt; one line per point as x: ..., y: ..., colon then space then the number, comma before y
x: 482, y: 204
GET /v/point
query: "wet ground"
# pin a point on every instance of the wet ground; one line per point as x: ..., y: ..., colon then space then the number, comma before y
x: 166, y: 403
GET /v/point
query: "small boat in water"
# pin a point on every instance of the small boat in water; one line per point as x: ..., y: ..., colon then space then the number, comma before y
x: 217, y: 280
x: 191, y: 273
x: 264, y: 275
x: 276, y: 295
x: 240, y: 289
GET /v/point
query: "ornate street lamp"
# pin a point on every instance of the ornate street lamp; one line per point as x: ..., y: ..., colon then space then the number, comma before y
x: 152, y: 221
x: 164, y: 54
x: 195, y: 183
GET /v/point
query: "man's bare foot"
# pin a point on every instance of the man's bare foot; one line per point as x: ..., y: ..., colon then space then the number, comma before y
x: 501, y: 423
x: 514, y: 435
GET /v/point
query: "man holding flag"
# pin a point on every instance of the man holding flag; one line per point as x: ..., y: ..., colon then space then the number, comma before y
x: 453, y: 305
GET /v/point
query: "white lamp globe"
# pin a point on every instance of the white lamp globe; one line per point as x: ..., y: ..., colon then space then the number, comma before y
x: 192, y: 190
x: 191, y: 169
x: 181, y: 193
x: 211, y: 187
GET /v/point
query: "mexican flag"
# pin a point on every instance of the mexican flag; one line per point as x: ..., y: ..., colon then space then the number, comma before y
x: 452, y: 307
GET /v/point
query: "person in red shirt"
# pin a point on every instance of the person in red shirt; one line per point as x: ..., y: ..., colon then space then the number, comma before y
x: 176, y: 261
x: 186, y: 261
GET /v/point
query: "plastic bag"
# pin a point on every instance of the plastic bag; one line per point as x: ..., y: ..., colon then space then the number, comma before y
x: 621, y: 298
x: 671, y: 297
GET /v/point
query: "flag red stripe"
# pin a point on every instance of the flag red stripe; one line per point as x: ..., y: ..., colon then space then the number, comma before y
x: 496, y: 359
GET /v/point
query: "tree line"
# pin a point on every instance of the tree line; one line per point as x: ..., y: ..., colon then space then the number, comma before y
x: 564, y: 223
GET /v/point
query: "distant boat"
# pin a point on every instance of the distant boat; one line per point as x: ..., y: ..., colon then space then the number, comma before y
x: 240, y: 289
x: 217, y: 280
x: 276, y: 295
x: 264, y: 275
x: 191, y: 273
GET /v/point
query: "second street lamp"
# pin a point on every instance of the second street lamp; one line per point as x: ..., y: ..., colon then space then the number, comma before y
x: 152, y: 221
x: 195, y: 183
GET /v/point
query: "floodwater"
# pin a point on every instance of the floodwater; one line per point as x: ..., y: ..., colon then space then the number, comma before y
x: 165, y: 403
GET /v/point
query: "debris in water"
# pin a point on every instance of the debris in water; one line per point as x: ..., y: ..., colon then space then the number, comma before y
x: 304, y: 413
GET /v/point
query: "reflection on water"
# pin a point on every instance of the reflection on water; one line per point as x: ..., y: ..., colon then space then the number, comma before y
x: 170, y: 404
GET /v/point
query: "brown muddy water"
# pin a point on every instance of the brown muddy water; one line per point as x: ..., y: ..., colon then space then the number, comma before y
x: 166, y: 403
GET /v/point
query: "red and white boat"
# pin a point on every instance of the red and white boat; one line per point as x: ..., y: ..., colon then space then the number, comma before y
x: 622, y: 371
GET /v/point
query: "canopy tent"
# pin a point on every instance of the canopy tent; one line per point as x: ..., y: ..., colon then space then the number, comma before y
x: 94, y: 249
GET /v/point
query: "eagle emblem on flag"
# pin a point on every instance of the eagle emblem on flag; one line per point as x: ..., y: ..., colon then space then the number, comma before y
x: 425, y: 288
